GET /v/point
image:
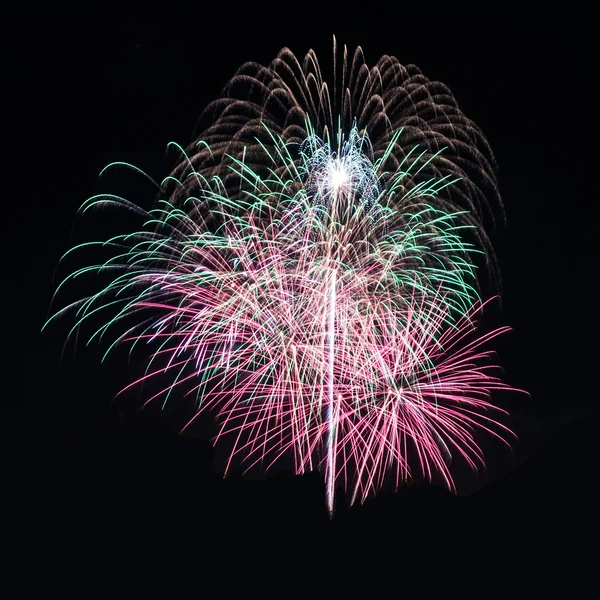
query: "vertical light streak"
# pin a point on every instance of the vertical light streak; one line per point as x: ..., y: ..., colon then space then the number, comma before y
x: 331, y: 412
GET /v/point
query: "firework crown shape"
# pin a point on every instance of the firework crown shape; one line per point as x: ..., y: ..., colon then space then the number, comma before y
x: 312, y: 285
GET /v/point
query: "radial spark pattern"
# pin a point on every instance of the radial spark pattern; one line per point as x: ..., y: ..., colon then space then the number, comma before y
x: 308, y: 279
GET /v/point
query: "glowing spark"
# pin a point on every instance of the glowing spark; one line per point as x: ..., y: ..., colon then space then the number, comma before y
x: 338, y: 175
x: 320, y: 299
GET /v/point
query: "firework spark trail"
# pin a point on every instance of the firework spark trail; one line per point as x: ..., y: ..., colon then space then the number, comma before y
x: 331, y: 409
x: 414, y: 125
x: 324, y: 306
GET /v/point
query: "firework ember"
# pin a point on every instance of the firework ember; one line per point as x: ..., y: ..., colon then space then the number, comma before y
x: 306, y: 275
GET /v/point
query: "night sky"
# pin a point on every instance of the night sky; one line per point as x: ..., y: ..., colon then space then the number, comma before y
x: 118, y: 86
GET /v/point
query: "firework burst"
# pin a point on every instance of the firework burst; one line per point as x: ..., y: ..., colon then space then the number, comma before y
x: 310, y: 283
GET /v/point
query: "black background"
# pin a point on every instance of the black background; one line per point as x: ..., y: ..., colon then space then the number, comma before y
x: 109, y: 84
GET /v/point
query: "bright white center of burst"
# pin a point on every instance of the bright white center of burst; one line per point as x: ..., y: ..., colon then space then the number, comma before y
x: 338, y: 175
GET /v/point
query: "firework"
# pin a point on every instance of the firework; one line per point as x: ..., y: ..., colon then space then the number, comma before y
x: 289, y: 99
x: 309, y: 281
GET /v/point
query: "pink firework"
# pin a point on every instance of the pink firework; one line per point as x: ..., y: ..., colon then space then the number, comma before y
x: 323, y: 307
